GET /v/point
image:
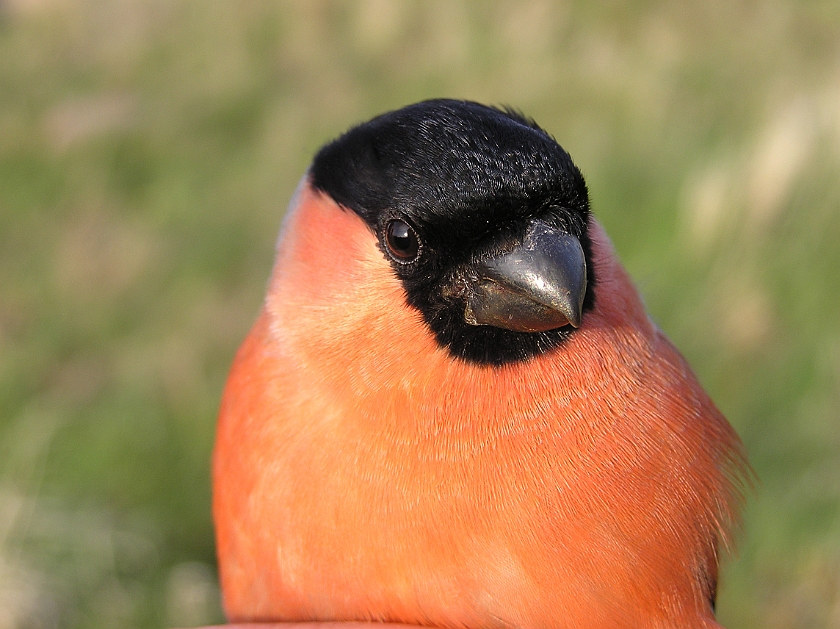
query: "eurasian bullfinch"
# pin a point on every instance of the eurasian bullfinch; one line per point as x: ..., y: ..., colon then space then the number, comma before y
x: 453, y: 410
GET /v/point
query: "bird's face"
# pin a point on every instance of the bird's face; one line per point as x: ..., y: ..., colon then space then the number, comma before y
x: 498, y: 264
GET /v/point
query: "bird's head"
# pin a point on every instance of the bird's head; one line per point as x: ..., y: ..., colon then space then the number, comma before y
x: 478, y: 212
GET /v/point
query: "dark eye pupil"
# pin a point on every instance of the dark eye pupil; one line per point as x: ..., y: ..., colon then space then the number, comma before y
x: 401, y: 240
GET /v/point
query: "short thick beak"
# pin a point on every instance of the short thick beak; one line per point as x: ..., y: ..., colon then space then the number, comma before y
x: 538, y: 286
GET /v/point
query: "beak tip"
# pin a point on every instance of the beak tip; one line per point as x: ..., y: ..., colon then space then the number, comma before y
x: 572, y: 311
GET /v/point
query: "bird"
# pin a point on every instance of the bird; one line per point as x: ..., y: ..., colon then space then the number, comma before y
x: 453, y: 409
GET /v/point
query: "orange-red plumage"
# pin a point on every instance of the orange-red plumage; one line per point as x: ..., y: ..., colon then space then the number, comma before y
x: 363, y: 473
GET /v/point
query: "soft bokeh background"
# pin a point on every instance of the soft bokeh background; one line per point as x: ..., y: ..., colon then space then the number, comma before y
x: 148, y: 149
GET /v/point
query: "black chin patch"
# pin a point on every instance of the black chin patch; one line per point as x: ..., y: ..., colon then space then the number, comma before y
x: 467, y: 178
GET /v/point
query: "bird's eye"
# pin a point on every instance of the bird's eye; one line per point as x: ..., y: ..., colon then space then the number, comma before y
x: 402, y: 241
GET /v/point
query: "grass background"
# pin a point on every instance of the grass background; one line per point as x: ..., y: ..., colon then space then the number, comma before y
x: 148, y: 149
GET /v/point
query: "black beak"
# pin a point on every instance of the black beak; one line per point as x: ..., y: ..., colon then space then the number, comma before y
x: 538, y: 286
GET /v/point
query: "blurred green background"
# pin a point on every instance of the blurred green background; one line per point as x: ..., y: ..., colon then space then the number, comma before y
x: 148, y: 150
